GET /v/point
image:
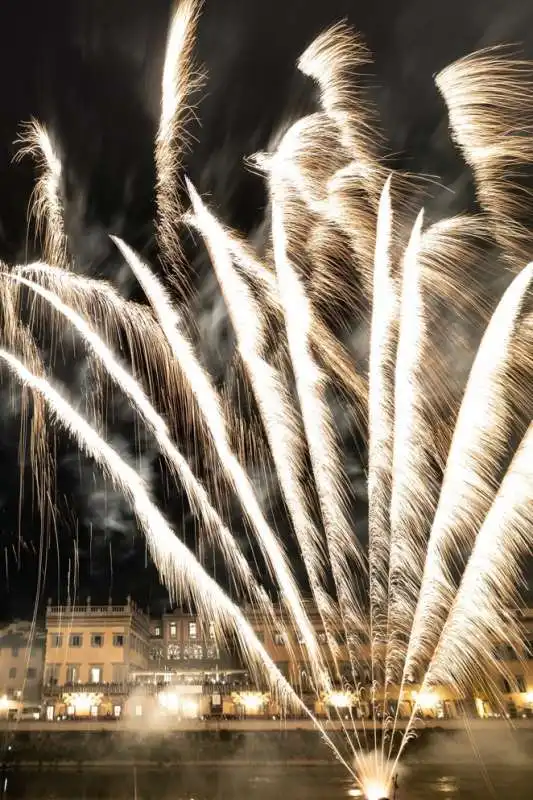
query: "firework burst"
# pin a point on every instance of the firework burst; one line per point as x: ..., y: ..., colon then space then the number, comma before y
x: 433, y: 595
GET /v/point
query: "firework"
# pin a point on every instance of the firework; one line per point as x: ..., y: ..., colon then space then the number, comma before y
x: 438, y: 585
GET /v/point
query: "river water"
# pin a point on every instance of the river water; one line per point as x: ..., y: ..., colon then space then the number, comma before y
x: 230, y: 782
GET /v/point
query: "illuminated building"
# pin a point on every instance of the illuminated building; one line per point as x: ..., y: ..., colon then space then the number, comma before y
x: 21, y: 665
x: 188, y: 675
x: 91, y: 652
x: 516, y: 680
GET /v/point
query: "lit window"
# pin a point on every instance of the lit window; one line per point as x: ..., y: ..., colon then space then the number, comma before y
x: 96, y: 674
x: 116, y: 711
x: 211, y: 651
x: 75, y: 640
x: 279, y: 639
x: 13, y: 672
x: 173, y: 630
x: 157, y: 630
x: 173, y: 652
x: 56, y: 640
x: 118, y: 640
x: 138, y: 711
x: 212, y: 630
x: 322, y: 638
x: 195, y: 652
x: 94, y: 711
x: 97, y: 639
x: 192, y: 630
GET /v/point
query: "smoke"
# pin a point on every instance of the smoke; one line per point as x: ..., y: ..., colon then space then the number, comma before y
x: 95, y: 79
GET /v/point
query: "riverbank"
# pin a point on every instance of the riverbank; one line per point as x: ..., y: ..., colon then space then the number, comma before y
x: 252, y: 725
x: 108, y: 747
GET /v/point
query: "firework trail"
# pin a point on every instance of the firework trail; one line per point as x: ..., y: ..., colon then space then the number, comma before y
x: 481, y: 616
x: 197, y: 495
x: 182, y: 573
x: 180, y: 80
x: 409, y: 513
x: 332, y: 353
x: 489, y: 98
x: 332, y: 60
x: 481, y: 436
x: 381, y: 421
x: 211, y: 410
x: 316, y: 415
x: 47, y: 205
x: 281, y: 424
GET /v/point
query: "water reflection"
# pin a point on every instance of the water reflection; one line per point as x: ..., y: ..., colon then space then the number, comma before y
x: 230, y: 782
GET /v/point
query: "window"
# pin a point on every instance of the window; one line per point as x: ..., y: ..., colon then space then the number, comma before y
x: 520, y: 683
x: 97, y: 639
x: 260, y: 635
x: 173, y: 652
x: 156, y: 653
x: 56, y: 640
x: 195, y: 652
x: 73, y: 673
x: 211, y: 651
x: 31, y: 673
x: 119, y: 673
x: 14, y: 652
x: 279, y: 638
x: 13, y: 672
x: 322, y: 637
x: 118, y: 640
x: 52, y: 674
x: 96, y: 673
x: 192, y: 630
x: 75, y: 640
x: 173, y: 630
x: 157, y: 630
x: 505, y: 686
x: 212, y: 630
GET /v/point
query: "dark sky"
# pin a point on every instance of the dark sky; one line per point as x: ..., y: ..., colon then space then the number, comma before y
x: 90, y: 69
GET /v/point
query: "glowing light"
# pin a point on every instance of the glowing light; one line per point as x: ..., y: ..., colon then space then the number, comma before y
x: 4, y: 703
x: 340, y: 699
x: 169, y: 701
x: 253, y: 702
x: 425, y: 700
x: 82, y: 702
x: 529, y: 697
x: 173, y: 703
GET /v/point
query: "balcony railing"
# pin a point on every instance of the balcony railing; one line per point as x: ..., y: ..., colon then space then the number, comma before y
x: 55, y: 690
x: 66, y: 611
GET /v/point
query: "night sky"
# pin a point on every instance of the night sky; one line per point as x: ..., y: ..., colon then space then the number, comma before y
x: 90, y: 70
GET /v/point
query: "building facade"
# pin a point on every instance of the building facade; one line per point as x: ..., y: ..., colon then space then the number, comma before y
x: 188, y: 674
x: 111, y: 660
x: 91, y: 652
x: 22, y: 648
